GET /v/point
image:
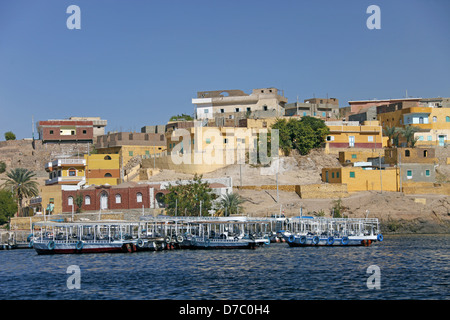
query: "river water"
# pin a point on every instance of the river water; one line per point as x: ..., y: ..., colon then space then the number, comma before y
x: 410, y: 267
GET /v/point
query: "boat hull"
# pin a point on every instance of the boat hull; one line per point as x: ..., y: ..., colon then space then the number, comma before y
x: 305, y: 241
x: 217, y: 244
x: 72, y: 248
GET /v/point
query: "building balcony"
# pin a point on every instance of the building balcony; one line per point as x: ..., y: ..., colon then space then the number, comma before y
x: 50, y: 166
x: 65, y: 180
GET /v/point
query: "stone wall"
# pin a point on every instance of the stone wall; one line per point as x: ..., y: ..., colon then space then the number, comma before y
x: 323, y: 191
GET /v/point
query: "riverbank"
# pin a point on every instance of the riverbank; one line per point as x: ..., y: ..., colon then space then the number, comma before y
x: 397, y: 212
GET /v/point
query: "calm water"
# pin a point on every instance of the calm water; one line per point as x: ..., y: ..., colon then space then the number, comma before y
x: 412, y: 267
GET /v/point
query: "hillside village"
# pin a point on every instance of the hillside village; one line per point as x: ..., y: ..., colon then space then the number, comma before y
x: 363, y: 165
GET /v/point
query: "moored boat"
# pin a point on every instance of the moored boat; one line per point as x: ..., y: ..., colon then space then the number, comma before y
x: 308, y: 231
x: 83, y: 237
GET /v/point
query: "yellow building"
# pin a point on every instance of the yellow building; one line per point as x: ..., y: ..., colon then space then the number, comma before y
x: 352, y: 135
x: 433, y: 123
x: 130, y: 144
x: 102, y: 169
x: 359, y: 179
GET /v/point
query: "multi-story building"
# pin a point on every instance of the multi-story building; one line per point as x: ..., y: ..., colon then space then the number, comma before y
x: 72, y: 130
x: 230, y: 104
x: 130, y: 144
x: 344, y: 134
x: 102, y: 169
x: 316, y: 107
x: 415, y: 164
x: 431, y: 120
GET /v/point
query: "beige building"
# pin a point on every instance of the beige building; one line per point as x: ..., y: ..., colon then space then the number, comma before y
x: 231, y: 104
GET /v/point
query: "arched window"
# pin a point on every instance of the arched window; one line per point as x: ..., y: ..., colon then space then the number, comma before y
x: 87, y: 200
x: 107, y: 158
x: 138, y: 197
x: 108, y: 175
x: 118, y: 198
x: 70, y: 201
x: 434, y: 119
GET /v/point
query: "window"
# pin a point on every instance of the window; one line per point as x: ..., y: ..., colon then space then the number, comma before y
x: 265, y: 108
x: 72, y: 172
x: 332, y: 175
x: 353, y: 156
x: 370, y: 138
x: 87, y: 200
x: 447, y: 119
x: 130, y: 153
x: 409, y: 174
x: 208, y: 140
x: 337, y: 174
x: 429, y: 138
x: 107, y: 158
x: 147, y: 152
x: 304, y: 113
x: 237, y: 109
x: 84, y: 131
x: 330, y: 138
x: 324, y: 114
x: 222, y: 110
x: 70, y: 201
x: 425, y: 153
x: 434, y: 119
x: 139, y: 197
x: 51, y: 131
x: 108, y: 175
x: 420, y: 138
x: 427, y: 173
x: 118, y: 198
x: 352, y: 174
x: 206, y: 111
x: 225, y: 140
x: 72, y: 133
x: 407, y: 153
x: 249, y: 109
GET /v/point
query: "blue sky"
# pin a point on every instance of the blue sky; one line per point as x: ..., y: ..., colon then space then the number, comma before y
x: 136, y: 63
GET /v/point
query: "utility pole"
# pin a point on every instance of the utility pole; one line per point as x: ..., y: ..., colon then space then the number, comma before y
x: 400, y: 169
x: 381, y: 181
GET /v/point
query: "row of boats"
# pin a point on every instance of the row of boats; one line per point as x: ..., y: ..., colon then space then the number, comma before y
x: 164, y: 232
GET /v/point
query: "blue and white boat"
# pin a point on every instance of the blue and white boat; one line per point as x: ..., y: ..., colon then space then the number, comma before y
x: 312, y: 231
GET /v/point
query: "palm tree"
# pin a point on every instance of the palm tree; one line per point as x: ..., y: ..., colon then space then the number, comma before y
x: 231, y: 204
x: 20, y: 183
x: 392, y: 133
x: 408, y: 133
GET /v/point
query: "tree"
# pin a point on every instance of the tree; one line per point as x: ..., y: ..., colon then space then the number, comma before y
x: 2, y: 167
x: 187, y: 198
x: 182, y: 117
x: 79, y: 202
x: 408, y: 133
x: 302, y: 135
x: 10, y: 136
x: 8, y: 206
x: 19, y: 181
x: 392, y: 133
x: 231, y: 204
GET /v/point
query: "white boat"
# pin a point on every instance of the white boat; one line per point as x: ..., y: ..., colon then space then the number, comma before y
x: 83, y: 237
x: 311, y: 231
